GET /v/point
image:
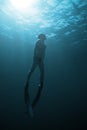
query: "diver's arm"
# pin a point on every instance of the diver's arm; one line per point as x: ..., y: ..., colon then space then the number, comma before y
x: 36, y: 49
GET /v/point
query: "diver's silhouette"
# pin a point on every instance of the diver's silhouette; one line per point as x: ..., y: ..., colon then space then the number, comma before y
x: 38, y: 60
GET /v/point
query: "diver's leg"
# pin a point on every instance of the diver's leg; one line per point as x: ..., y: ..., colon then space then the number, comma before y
x: 34, y: 65
x: 26, y: 92
x: 27, y: 82
x: 41, y: 66
x: 37, y: 97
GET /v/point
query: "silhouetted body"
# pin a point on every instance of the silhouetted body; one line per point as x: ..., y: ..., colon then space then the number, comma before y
x: 38, y: 60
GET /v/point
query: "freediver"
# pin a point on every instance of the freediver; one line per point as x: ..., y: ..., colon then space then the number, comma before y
x: 38, y: 61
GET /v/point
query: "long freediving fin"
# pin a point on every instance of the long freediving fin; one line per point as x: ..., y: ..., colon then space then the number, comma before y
x: 37, y: 96
x: 29, y: 109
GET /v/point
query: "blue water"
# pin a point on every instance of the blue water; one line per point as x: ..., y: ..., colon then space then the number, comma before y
x: 63, y: 102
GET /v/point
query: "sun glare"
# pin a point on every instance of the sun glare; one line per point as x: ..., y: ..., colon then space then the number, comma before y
x: 24, y: 5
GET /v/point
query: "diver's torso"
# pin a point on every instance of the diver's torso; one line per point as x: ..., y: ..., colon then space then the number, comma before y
x: 39, y: 51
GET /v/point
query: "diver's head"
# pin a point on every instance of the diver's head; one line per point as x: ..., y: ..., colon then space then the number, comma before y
x: 42, y: 36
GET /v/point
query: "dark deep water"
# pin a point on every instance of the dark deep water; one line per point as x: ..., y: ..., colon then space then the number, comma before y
x: 63, y: 102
